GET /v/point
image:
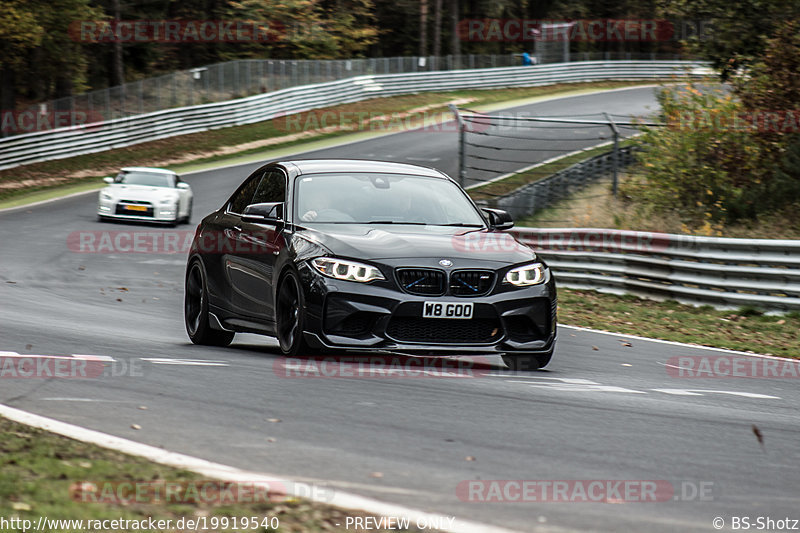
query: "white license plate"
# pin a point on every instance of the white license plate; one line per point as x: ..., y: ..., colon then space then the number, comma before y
x: 447, y: 309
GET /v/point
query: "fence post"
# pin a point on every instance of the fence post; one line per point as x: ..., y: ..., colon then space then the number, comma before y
x: 615, y: 157
x: 462, y: 171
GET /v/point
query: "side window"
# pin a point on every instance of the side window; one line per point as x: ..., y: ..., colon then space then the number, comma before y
x: 244, y: 195
x: 272, y: 188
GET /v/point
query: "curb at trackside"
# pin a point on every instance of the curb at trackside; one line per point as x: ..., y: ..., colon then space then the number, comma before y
x: 222, y: 472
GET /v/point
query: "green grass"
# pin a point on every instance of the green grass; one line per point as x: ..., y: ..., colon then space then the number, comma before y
x: 41, y: 472
x: 228, y: 144
x: 746, y: 329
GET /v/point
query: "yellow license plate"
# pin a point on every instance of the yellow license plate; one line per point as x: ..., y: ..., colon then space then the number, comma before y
x: 136, y: 208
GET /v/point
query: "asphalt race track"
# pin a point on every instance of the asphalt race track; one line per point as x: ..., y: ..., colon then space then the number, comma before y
x: 607, y: 407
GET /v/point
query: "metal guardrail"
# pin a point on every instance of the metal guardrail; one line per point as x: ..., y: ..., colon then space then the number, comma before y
x: 246, y: 77
x: 97, y: 137
x: 724, y: 272
x: 541, y: 194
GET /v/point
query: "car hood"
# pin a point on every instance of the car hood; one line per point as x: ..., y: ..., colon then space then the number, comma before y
x: 140, y: 192
x: 434, y: 242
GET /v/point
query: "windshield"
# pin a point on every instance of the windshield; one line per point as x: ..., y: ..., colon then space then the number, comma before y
x: 366, y: 198
x: 151, y: 179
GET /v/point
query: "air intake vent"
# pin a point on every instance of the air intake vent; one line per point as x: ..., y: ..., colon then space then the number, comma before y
x: 422, y: 281
x: 471, y: 282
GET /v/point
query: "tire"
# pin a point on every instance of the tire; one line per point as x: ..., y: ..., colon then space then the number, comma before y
x: 290, y: 316
x: 527, y: 362
x: 195, y: 310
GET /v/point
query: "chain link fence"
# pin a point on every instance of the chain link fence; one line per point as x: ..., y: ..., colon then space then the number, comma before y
x: 534, y: 197
x: 235, y: 79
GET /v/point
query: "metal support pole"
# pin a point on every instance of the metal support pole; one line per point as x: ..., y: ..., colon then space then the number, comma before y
x: 462, y: 155
x: 615, y: 157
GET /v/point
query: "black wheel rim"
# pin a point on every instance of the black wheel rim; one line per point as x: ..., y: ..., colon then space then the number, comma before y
x: 288, y: 313
x: 193, y: 307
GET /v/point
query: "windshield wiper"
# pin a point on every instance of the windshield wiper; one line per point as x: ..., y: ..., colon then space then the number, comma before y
x: 393, y: 222
x: 460, y: 225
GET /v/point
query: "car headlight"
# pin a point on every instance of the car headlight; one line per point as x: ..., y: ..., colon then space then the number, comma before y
x: 526, y: 275
x: 346, y: 270
x: 167, y: 200
x: 106, y: 196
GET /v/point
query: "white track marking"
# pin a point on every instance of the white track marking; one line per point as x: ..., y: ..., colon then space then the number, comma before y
x: 588, y: 386
x: 183, y: 362
x: 81, y: 400
x: 70, y: 357
x: 228, y: 473
x: 424, y: 159
x: 702, y: 392
x: 95, y: 357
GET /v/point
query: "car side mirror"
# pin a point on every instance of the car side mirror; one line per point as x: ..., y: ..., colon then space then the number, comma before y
x: 498, y: 219
x: 108, y: 179
x: 264, y: 212
x: 182, y: 185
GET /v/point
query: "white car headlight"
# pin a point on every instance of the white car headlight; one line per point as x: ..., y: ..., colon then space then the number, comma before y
x: 346, y: 270
x: 168, y: 200
x: 106, y: 196
x: 526, y: 275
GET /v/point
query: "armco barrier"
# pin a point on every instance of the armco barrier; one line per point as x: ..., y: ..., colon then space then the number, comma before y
x: 68, y: 142
x: 723, y: 272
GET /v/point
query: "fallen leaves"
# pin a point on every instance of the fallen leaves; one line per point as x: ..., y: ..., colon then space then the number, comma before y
x: 759, y: 435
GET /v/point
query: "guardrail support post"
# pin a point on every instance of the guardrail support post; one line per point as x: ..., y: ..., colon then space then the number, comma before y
x: 615, y: 157
x: 462, y: 171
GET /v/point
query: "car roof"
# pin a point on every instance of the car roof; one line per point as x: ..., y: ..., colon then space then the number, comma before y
x: 152, y: 170
x: 320, y: 166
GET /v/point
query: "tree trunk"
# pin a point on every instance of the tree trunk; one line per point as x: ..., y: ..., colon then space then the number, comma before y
x: 8, y: 97
x: 437, y: 28
x: 456, y: 43
x: 117, y: 62
x: 423, y: 28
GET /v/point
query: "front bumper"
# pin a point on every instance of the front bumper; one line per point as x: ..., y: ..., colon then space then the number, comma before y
x: 369, y: 317
x: 152, y: 212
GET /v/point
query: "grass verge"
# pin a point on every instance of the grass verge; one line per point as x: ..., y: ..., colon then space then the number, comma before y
x: 42, y: 472
x: 594, y: 206
x: 746, y: 329
x: 383, y: 115
x: 504, y: 186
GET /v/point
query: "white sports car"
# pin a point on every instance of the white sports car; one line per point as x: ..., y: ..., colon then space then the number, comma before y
x: 147, y: 194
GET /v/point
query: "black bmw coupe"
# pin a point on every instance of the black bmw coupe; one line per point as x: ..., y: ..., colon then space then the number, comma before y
x: 358, y: 255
